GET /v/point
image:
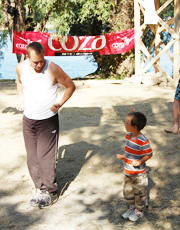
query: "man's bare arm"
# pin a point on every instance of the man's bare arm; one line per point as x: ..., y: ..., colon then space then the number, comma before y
x: 19, y: 104
x: 59, y: 76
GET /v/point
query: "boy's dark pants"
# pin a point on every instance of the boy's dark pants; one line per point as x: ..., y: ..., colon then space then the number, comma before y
x: 135, y: 190
x: 41, y: 142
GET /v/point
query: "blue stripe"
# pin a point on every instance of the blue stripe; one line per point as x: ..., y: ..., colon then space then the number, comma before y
x: 147, y: 146
x: 133, y: 145
x: 142, y: 138
x: 133, y: 156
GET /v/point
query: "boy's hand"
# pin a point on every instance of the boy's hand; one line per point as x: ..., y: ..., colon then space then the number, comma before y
x: 137, y: 162
x: 120, y: 156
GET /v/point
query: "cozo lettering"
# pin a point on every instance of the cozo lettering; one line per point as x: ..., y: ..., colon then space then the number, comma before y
x: 93, y: 46
x: 76, y: 44
x: 117, y: 45
x: 21, y: 46
x: 51, y: 46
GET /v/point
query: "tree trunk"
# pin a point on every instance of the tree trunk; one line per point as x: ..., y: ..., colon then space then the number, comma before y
x: 14, y: 15
x: 120, y: 65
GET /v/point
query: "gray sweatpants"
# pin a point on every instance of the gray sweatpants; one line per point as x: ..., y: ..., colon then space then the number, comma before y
x: 41, y: 142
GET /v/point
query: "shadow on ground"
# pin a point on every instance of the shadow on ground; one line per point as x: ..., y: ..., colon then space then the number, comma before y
x: 11, y: 110
x: 74, y: 117
x: 71, y: 158
x: 10, y: 217
x: 164, y: 209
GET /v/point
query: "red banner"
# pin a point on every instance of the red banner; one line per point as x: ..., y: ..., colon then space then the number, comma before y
x: 111, y: 43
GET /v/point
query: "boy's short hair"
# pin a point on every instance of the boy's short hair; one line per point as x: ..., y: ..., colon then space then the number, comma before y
x: 138, y: 119
x: 36, y: 46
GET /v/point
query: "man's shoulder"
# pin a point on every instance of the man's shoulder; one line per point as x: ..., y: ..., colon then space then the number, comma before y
x: 52, y: 64
x: 55, y: 70
x: 53, y: 67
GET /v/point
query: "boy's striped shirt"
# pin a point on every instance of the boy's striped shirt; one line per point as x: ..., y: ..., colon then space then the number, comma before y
x: 136, y: 149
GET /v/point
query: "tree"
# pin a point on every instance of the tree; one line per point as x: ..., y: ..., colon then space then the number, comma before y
x: 77, y: 17
x: 119, y: 65
x: 83, y: 17
x: 109, y: 16
x: 96, y: 17
x: 25, y: 15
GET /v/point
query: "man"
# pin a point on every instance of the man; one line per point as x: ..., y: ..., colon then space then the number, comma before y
x: 37, y: 85
x: 176, y: 112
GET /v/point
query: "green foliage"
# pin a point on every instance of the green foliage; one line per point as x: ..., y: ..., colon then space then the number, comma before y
x: 3, y: 41
x: 168, y: 11
x: 80, y: 12
x: 115, y: 66
x: 37, y: 10
x: 99, y: 8
x: 95, y: 17
x: 92, y: 17
x: 86, y: 17
x: 1, y: 15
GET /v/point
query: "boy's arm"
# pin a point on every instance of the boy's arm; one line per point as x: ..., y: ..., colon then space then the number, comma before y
x: 120, y: 156
x: 142, y: 161
x: 147, y: 151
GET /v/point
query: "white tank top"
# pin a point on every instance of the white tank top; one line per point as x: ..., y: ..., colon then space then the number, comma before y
x: 39, y: 92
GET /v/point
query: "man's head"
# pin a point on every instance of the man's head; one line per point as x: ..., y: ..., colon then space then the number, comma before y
x: 35, y: 54
x: 135, y: 120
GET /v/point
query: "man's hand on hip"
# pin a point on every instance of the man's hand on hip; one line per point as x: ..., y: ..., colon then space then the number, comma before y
x: 20, y: 105
x: 55, y: 107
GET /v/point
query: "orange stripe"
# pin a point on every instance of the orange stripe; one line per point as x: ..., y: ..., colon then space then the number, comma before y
x: 138, y: 152
x: 137, y: 141
x: 128, y: 161
x: 134, y: 172
x: 148, y: 150
x: 132, y: 151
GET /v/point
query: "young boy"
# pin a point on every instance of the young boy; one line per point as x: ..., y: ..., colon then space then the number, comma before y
x: 137, y: 152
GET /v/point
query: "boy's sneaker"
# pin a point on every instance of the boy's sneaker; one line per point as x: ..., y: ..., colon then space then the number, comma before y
x: 135, y: 215
x: 36, y: 198
x: 128, y: 212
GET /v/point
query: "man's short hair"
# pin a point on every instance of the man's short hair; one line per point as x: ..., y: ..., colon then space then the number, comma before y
x: 138, y: 119
x: 36, y: 46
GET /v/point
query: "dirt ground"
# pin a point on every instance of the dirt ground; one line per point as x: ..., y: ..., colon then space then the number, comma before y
x: 90, y: 178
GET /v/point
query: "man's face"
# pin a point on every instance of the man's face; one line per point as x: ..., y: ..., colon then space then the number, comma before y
x: 37, y: 61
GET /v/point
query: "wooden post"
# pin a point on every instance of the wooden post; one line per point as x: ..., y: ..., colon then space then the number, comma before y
x: 157, y: 37
x: 157, y: 29
x: 157, y: 4
x: 137, y: 38
x: 176, y: 66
